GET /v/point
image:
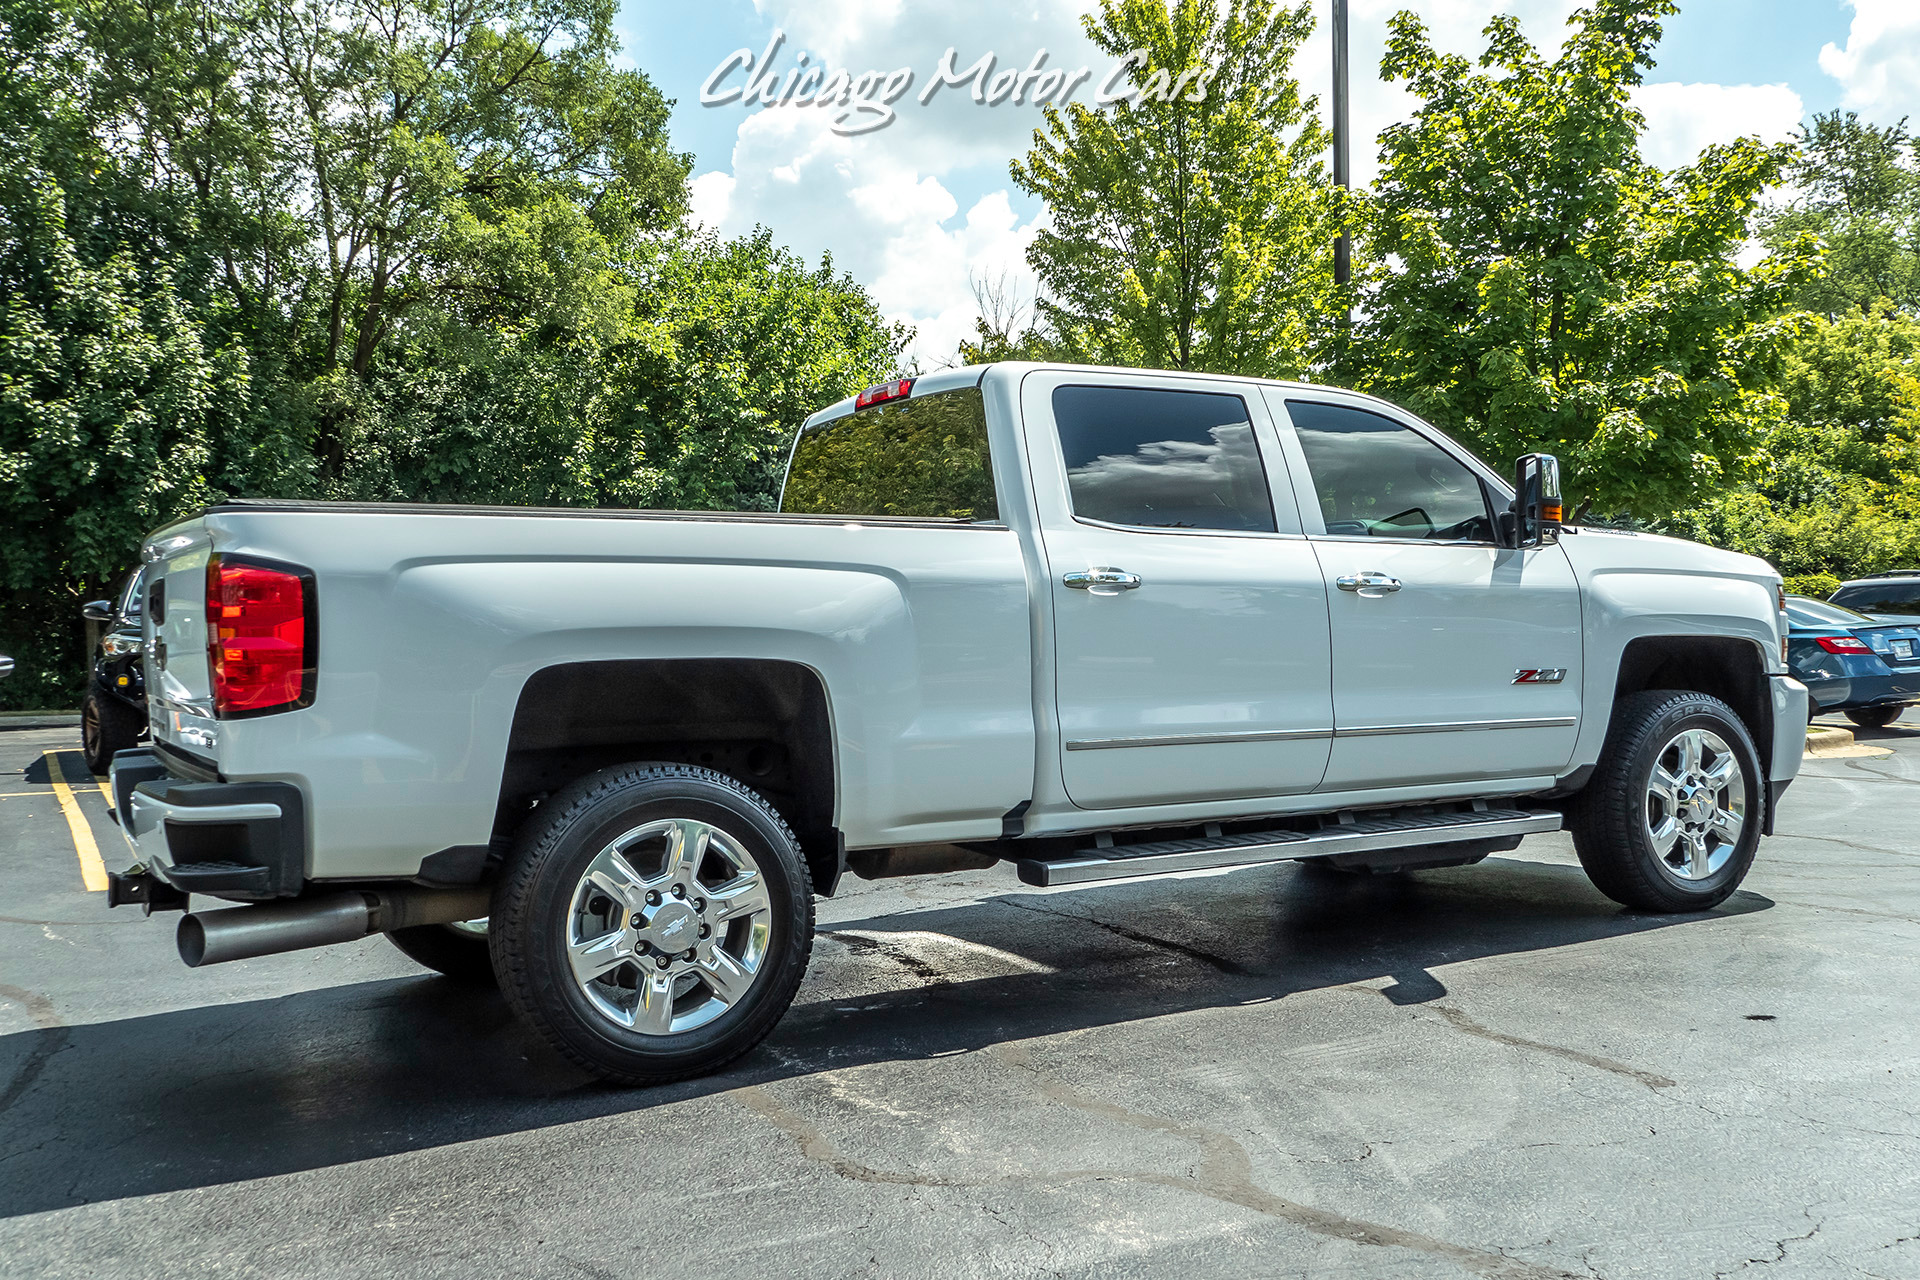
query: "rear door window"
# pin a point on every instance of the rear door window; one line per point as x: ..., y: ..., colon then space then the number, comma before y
x: 1162, y: 459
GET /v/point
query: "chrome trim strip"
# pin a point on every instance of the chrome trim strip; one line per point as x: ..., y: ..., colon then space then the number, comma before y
x: 1459, y: 726
x: 1201, y: 739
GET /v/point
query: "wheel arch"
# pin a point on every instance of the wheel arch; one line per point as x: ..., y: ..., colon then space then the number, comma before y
x: 1730, y: 669
x: 767, y: 723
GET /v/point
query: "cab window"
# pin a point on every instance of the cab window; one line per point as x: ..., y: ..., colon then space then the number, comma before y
x: 922, y: 458
x: 1162, y: 459
x: 1375, y: 478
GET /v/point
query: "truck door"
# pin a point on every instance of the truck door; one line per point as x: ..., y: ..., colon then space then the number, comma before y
x: 1189, y: 614
x: 1454, y: 658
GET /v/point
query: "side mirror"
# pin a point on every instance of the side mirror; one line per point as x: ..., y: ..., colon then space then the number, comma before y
x: 97, y: 611
x: 1537, y: 509
x: 6, y: 666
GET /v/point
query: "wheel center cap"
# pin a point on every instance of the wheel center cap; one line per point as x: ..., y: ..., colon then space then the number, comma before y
x: 674, y: 926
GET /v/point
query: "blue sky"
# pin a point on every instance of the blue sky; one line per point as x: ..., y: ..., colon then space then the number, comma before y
x: 918, y: 209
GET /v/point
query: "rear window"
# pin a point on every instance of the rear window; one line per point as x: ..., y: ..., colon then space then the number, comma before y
x: 926, y: 457
x: 1806, y: 612
x: 1899, y: 595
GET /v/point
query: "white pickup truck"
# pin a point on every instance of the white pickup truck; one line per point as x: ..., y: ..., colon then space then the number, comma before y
x: 1095, y: 623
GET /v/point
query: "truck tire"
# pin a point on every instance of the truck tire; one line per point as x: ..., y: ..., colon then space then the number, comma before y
x: 1671, y: 817
x: 459, y: 951
x: 1875, y: 717
x: 653, y: 922
x: 106, y: 726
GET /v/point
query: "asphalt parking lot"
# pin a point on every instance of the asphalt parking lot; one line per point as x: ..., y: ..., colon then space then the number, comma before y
x: 1487, y: 1071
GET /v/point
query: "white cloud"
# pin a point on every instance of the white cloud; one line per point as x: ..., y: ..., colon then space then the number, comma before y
x: 916, y: 209
x: 895, y: 228
x: 1684, y: 119
x: 1879, y: 70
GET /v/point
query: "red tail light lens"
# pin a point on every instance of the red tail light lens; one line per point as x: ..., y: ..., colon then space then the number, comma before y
x: 259, y: 635
x: 1843, y: 644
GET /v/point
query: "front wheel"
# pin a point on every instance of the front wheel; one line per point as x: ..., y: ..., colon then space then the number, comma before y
x: 106, y: 726
x: 1875, y: 717
x: 654, y: 922
x: 1671, y: 818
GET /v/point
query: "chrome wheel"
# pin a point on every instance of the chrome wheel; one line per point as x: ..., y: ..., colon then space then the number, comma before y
x: 668, y: 926
x: 1696, y: 804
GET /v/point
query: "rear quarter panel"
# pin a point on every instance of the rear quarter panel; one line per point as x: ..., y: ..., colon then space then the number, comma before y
x: 431, y: 623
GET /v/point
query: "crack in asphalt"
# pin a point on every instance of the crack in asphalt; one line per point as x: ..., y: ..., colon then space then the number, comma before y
x: 912, y: 963
x: 1464, y: 1023
x: 1851, y: 844
x: 40, y: 1009
x: 1224, y: 1175
x: 1220, y: 963
x: 1779, y: 1252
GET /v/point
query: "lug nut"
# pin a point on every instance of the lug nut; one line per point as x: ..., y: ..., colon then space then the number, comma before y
x: 699, y: 904
x: 664, y: 961
x: 705, y: 932
x: 689, y: 955
x: 638, y: 920
x: 679, y: 892
x: 653, y: 897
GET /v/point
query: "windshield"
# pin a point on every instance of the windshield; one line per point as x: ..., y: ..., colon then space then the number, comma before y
x: 1891, y: 595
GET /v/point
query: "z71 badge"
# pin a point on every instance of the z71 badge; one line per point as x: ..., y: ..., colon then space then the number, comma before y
x: 1545, y: 675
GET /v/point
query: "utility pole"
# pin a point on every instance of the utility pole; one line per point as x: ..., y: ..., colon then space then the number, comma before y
x: 1342, y: 175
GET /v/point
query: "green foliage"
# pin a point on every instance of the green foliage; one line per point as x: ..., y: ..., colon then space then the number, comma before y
x: 346, y: 249
x: 1188, y: 234
x: 1536, y: 285
x: 1859, y: 188
x: 1817, y: 585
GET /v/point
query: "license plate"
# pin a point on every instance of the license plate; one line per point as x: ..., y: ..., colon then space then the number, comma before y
x: 1903, y: 648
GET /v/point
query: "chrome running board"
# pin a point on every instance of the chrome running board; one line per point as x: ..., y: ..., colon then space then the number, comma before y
x: 1247, y: 849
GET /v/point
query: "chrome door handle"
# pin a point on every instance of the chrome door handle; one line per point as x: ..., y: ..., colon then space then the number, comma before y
x: 1371, y: 585
x: 1103, y: 581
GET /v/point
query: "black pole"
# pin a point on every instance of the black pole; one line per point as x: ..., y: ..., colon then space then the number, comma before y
x: 1342, y: 177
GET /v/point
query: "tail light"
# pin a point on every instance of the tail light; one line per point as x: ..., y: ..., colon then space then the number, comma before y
x: 1843, y: 644
x: 260, y: 636
x: 881, y: 393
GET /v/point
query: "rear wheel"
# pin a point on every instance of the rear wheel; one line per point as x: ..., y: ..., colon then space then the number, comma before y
x: 457, y: 950
x: 1672, y: 816
x: 106, y: 726
x: 1875, y: 717
x: 654, y: 922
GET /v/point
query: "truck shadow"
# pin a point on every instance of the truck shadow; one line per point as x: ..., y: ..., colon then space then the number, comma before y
x: 232, y: 1092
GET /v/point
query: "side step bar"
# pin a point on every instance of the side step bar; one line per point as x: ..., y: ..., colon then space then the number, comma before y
x: 1163, y: 857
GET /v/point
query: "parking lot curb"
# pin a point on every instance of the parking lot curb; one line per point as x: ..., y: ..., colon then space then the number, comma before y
x: 1825, y: 741
x: 39, y: 719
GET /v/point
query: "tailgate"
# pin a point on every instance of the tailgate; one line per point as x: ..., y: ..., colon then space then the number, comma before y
x: 179, y: 680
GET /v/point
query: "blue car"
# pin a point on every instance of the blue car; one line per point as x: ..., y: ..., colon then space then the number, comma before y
x: 1849, y: 662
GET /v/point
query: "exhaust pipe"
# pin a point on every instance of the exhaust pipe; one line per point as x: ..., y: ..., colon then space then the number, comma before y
x: 241, y: 933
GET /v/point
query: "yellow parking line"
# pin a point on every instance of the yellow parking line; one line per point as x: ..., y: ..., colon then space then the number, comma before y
x: 93, y: 872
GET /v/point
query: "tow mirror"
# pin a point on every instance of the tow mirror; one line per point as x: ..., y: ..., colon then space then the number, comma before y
x: 97, y: 611
x: 1536, y: 505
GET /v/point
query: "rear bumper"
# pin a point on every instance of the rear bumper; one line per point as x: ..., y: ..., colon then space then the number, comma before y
x: 240, y: 840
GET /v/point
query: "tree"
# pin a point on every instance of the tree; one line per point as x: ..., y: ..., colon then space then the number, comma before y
x: 1192, y: 225
x: 1859, y: 192
x: 1537, y: 285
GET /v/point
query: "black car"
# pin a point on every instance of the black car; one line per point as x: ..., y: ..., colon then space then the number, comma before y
x: 113, y: 717
x: 1852, y: 663
x: 1887, y: 596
